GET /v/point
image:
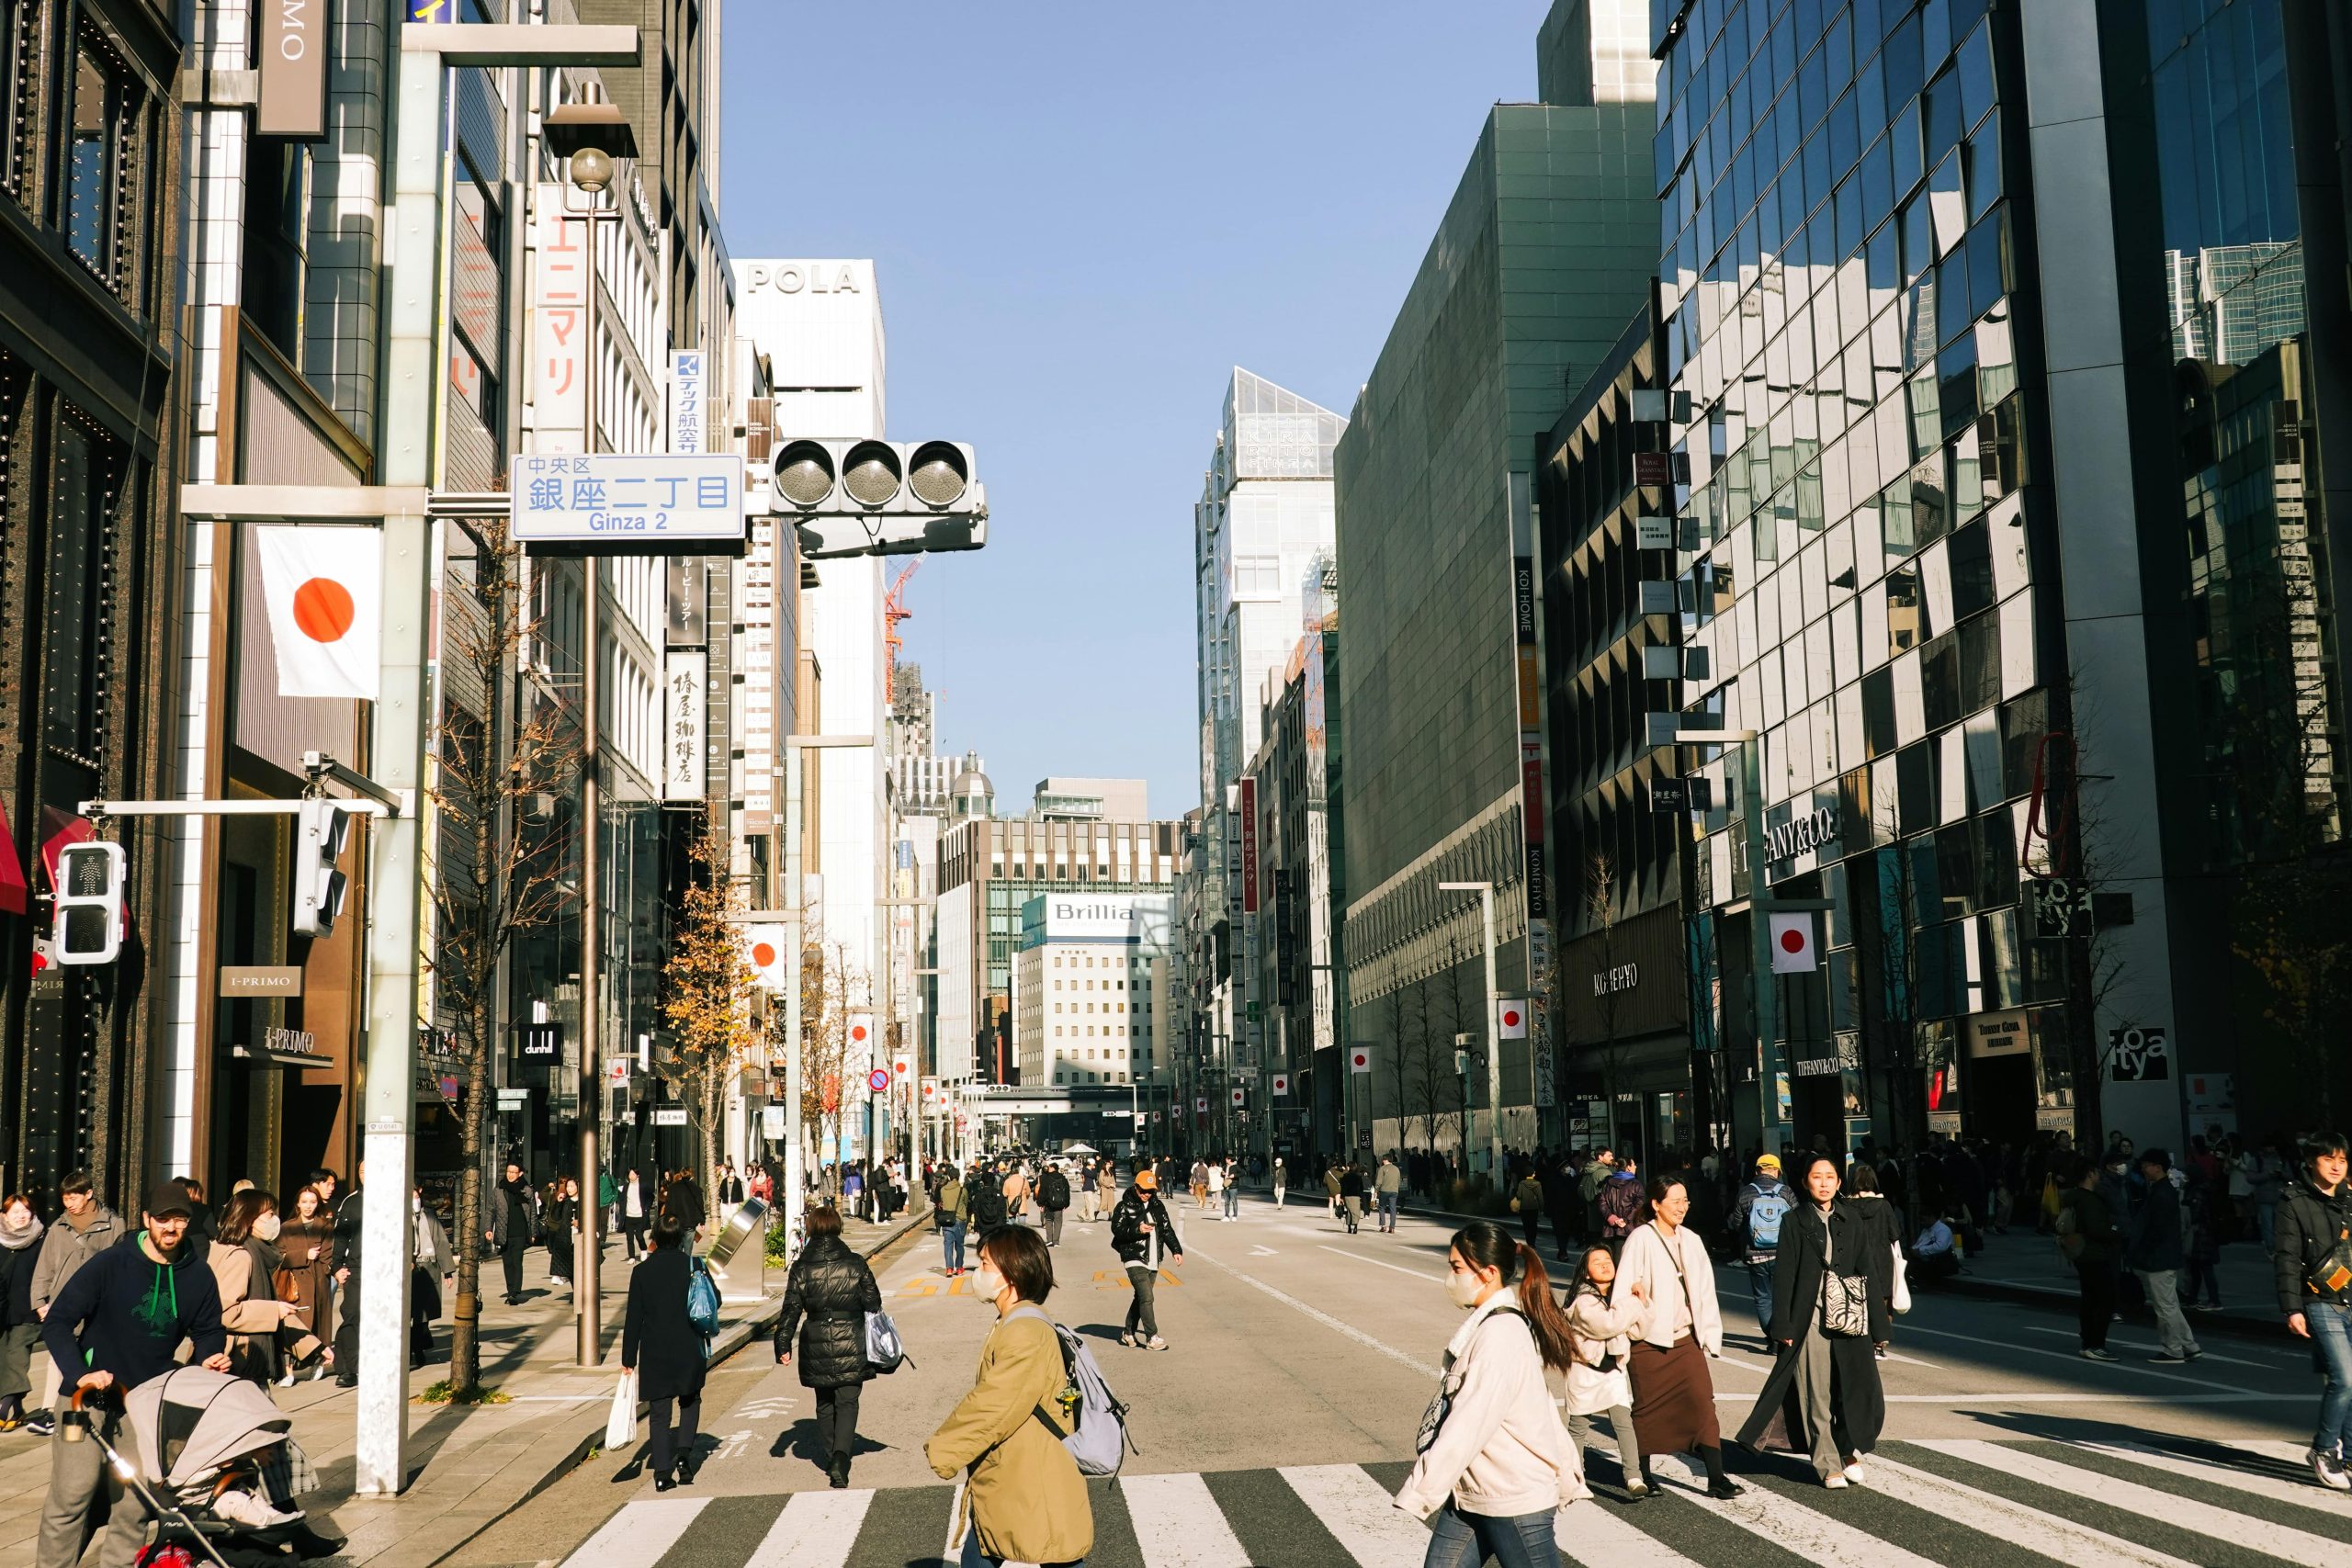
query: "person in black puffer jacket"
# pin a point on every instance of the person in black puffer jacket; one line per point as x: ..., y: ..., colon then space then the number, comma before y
x: 2314, y: 1218
x: 1053, y: 1198
x: 825, y: 1301
x: 1145, y: 1238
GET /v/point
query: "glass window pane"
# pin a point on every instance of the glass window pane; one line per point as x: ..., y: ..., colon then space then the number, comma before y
x: 89, y: 196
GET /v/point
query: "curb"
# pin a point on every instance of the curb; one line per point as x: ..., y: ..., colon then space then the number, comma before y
x: 2237, y: 1326
x: 733, y: 1338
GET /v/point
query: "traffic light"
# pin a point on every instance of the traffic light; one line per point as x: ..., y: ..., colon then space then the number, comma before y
x: 87, y: 926
x: 854, y: 498
x: 321, y: 830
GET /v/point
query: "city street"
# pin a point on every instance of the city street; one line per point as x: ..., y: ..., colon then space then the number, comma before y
x: 1274, y: 1427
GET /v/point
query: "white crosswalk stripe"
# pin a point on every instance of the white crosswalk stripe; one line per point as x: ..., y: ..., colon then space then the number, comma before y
x: 1360, y: 1514
x: 1343, y: 1516
x: 817, y: 1530
x: 2149, y: 1502
x: 639, y: 1534
x: 1178, y: 1524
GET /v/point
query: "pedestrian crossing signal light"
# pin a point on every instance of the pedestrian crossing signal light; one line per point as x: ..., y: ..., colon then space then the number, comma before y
x: 322, y: 828
x: 87, y: 921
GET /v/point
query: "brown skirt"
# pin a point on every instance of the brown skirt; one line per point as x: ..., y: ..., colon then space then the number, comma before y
x: 1674, y: 1400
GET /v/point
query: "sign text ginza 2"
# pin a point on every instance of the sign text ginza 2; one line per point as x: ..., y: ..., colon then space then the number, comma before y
x: 653, y: 503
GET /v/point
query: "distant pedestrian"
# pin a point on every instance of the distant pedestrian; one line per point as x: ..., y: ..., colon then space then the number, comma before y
x: 950, y: 1212
x: 682, y: 1203
x: 350, y: 1227
x: 1016, y: 1194
x: 432, y: 1265
x: 1281, y: 1180
x: 1200, y: 1184
x: 1082, y: 1180
x: 20, y: 1231
x: 2200, y: 1272
x: 636, y: 1207
x: 1386, y: 1187
x: 2312, y: 1266
x: 1935, y: 1256
x: 1351, y: 1195
x: 1826, y: 1382
x: 1623, y: 1201
x: 1756, y: 1219
x: 1526, y: 1202
x: 1053, y: 1200
x: 1106, y: 1187
x: 1498, y: 1467
x: 2091, y: 1240
x: 826, y: 1298
x: 563, y: 1218
x: 1145, y: 1238
x: 659, y: 1342
x: 1597, y: 1383
x: 984, y: 1200
x: 1595, y: 1171
x: 1024, y: 1500
x: 1560, y: 1202
x: 1665, y: 1269
x: 305, y: 1264
x: 2155, y: 1251
x: 1331, y: 1189
x: 1232, y: 1188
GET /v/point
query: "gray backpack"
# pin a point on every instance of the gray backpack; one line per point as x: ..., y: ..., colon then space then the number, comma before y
x: 1097, y: 1439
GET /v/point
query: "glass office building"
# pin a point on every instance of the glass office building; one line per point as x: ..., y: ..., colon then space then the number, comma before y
x: 1989, y: 452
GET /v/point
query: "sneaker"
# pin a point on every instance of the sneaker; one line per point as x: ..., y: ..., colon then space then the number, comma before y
x: 2204, y: 1306
x: 1854, y: 1470
x: 1126, y: 1338
x: 2193, y: 1354
x: 1836, y: 1482
x: 2099, y: 1353
x: 42, y: 1424
x: 1156, y: 1343
x: 2329, y: 1472
x: 2168, y: 1359
x: 1637, y: 1491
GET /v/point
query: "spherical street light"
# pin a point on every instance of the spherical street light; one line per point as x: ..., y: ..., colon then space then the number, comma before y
x: 592, y: 169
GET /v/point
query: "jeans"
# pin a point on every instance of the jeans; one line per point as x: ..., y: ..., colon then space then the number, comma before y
x: 1759, y: 1285
x: 1053, y: 1221
x: 2163, y: 1286
x: 1140, y: 1316
x: 1233, y: 1203
x: 975, y: 1558
x: 2201, y: 1277
x: 1468, y: 1540
x: 2098, y: 1303
x: 951, y: 1245
x: 2331, y: 1327
x: 669, y: 1449
x: 837, y: 1417
x: 1388, y: 1211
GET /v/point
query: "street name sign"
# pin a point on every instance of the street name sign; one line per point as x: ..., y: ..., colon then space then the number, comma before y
x: 636, y: 503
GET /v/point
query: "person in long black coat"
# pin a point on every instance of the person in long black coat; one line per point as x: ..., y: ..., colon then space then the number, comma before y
x: 681, y: 1204
x: 1827, y: 1386
x: 660, y: 1343
x: 826, y: 1298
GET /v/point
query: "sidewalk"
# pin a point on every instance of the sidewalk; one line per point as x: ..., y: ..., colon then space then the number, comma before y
x: 468, y: 1466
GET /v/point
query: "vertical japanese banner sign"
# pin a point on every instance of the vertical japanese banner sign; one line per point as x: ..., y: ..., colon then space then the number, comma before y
x: 1249, y: 846
x: 686, y: 387
x: 1542, y: 1090
x: 559, y: 327
x: 684, y: 675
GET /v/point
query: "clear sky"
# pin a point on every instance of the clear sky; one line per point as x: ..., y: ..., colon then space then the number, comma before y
x: 1082, y: 216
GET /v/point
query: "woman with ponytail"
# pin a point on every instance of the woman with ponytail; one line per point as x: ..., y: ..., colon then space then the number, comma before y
x: 1495, y: 1463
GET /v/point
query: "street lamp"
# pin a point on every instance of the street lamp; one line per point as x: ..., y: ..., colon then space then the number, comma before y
x: 1486, y: 892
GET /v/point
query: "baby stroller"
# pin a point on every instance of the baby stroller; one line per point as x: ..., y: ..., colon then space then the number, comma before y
x: 216, y: 1467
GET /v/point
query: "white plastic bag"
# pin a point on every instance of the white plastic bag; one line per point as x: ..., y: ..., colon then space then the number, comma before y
x: 620, y: 1426
x: 1902, y: 1283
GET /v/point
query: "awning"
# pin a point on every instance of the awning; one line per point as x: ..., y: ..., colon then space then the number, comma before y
x: 15, y: 898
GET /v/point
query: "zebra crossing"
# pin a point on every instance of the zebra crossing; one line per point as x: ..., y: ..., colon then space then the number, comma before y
x: 2105, y: 1501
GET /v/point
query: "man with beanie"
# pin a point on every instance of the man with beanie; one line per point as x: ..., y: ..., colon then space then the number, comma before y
x: 114, y: 1326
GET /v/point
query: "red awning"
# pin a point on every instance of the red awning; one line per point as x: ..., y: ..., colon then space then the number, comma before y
x: 14, y: 898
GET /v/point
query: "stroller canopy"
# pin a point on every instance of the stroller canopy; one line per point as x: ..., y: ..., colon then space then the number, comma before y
x: 192, y: 1420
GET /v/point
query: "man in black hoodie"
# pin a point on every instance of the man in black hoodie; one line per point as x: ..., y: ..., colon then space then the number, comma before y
x: 115, y: 1324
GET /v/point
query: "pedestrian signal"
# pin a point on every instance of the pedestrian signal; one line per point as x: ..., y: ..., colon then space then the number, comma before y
x: 321, y: 830
x: 87, y: 923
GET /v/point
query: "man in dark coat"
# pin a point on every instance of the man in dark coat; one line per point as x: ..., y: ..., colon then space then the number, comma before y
x: 2153, y: 1250
x: 826, y: 1298
x: 512, y: 1223
x: 347, y: 1231
x: 659, y: 1342
x: 1145, y: 1236
x: 1053, y: 1198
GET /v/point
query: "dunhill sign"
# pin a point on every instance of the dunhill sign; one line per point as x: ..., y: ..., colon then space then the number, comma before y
x: 1799, y: 834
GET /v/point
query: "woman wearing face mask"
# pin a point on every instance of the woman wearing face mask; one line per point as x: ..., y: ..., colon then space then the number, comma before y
x: 19, y: 1324
x: 1498, y: 1466
x: 1025, y: 1501
x: 1665, y: 1273
x: 1827, y: 1379
x: 1598, y: 1333
x: 306, y: 1261
x: 263, y: 1330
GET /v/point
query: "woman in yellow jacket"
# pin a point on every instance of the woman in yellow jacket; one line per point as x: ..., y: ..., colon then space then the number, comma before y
x: 1024, y: 1501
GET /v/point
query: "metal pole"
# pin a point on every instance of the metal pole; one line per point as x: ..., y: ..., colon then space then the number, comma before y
x: 585, y: 1284
x: 790, y: 1199
x: 388, y: 1091
x: 1494, y: 1047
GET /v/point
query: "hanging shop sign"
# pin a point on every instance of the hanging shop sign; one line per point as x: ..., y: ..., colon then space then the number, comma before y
x: 292, y: 97
x: 684, y: 673
x: 2004, y: 1033
x: 669, y: 1116
x: 642, y: 503
x: 261, y: 980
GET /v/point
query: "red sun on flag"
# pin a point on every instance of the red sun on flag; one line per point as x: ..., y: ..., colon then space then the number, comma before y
x: 323, y: 610
x: 857, y: 1034
x: 763, y: 954
x: 1793, y: 941
x: 1510, y: 1017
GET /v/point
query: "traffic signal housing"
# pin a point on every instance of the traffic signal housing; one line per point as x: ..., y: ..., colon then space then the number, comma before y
x: 857, y: 498
x: 87, y: 919
x: 321, y: 830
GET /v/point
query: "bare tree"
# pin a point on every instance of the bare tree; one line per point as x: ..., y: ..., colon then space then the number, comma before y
x: 498, y: 859
x: 1432, y: 1067
x: 1399, y: 1073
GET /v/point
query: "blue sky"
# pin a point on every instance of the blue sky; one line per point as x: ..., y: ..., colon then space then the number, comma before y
x: 1082, y: 218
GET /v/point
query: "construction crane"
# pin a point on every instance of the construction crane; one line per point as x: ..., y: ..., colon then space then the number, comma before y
x: 894, y: 610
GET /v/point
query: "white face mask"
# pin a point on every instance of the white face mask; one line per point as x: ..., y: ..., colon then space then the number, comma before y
x: 1463, y: 1287
x: 986, y: 1283
x: 265, y: 1226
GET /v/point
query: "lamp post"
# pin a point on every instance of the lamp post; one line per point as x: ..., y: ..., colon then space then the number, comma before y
x: 1486, y: 892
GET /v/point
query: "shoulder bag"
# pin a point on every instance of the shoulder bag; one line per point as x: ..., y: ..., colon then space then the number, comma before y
x: 1441, y: 1402
x: 1845, y: 1303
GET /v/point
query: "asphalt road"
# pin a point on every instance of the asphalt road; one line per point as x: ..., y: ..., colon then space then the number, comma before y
x: 1272, y: 1431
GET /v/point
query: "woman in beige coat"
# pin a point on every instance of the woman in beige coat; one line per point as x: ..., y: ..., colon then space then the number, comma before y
x: 1024, y: 1501
x: 245, y: 1261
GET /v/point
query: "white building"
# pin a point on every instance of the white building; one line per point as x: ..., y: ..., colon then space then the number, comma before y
x: 1083, y: 985
x: 819, y: 323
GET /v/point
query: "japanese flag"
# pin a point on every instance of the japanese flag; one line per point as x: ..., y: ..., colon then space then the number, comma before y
x: 1511, y: 1015
x: 1792, y: 951
x: 1282, y: 1083
x: 1360, y: 1059
x: 763, y: 946
x: 326, y: 589
x: 1237, y: 1096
